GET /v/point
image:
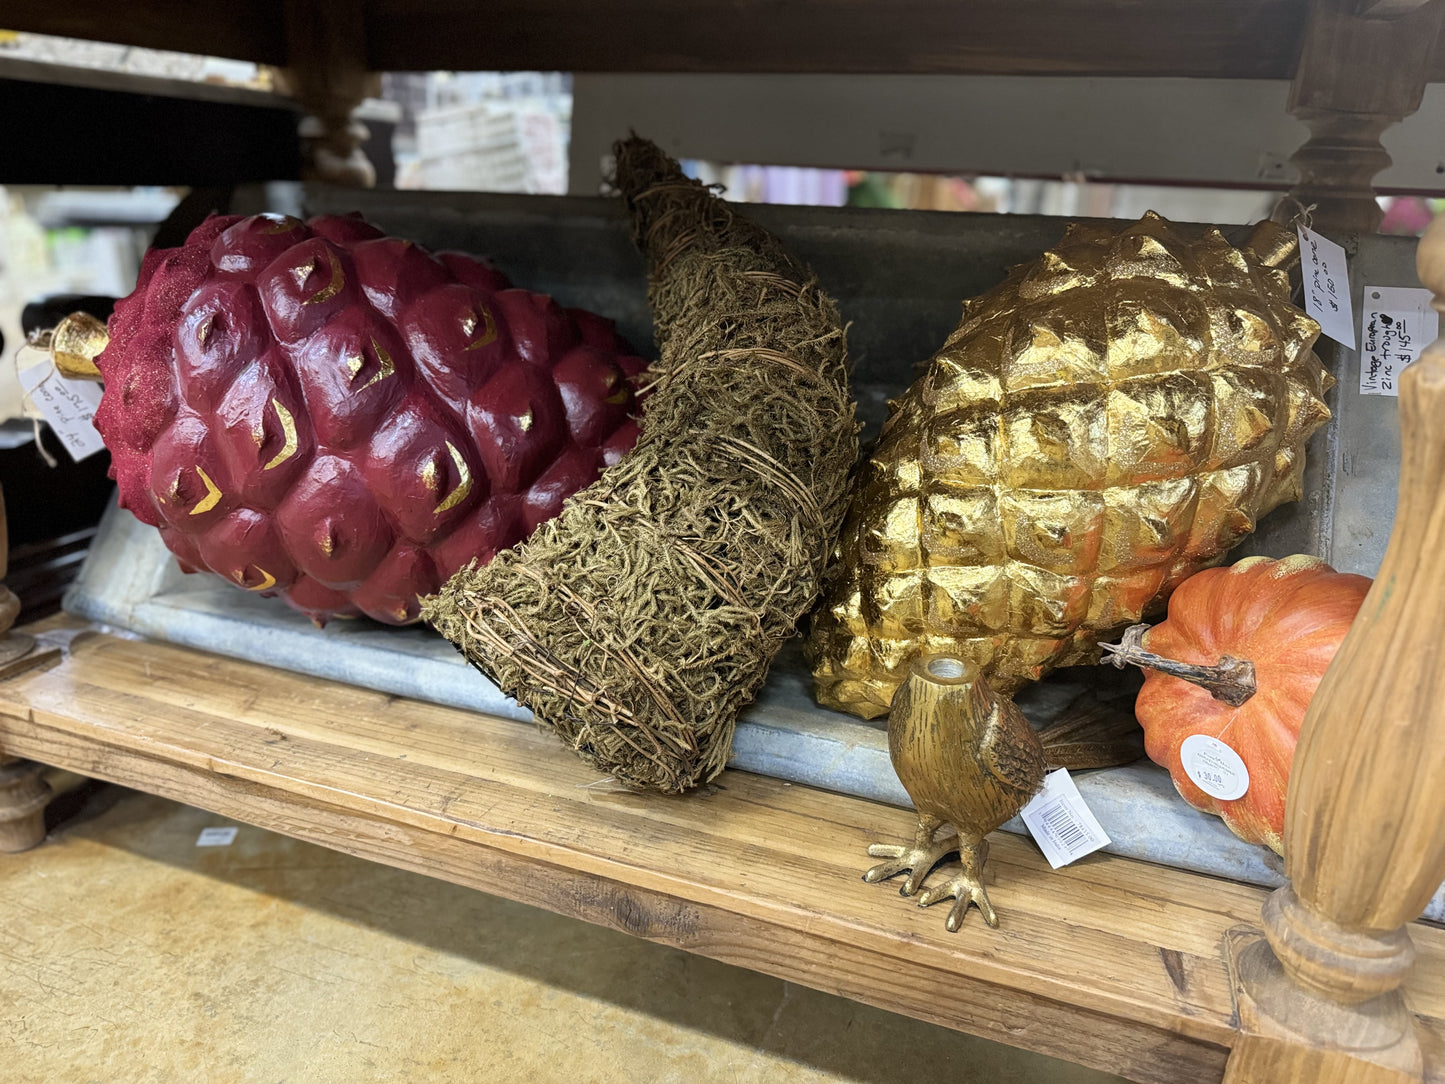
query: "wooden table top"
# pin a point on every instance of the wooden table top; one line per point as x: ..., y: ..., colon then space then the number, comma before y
x: 1241, y: 39
x: 1111, y: 963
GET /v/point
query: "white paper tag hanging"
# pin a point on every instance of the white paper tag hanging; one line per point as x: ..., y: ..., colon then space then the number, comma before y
x: 1327, y: 285
x: 1061, y: 824
x: 217, y: 837
x: 1214, y: 767
x: 1396, y: 324
x: 68, y: 405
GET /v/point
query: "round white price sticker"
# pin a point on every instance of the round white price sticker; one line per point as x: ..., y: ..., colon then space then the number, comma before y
x: 1215, y: 768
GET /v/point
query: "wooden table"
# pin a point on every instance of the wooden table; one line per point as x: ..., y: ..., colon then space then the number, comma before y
x: 1357, y: 66
x: 1115, y: 964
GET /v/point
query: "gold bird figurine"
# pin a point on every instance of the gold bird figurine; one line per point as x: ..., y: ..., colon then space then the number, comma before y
x: 969, y: 759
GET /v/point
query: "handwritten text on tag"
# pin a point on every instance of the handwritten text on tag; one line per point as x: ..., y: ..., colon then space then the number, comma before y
x: 1327, y: 286
x: 1396, y: 324
x: 68, y: 405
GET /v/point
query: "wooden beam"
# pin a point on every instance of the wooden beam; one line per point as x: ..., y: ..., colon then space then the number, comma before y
x: 241, y: 29
x: 111, y: 136
x: 1239, y: 38
x: 1250, y: 39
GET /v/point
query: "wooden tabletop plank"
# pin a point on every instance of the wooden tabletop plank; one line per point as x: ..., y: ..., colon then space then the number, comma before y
x: 753, y: 871
x: 1249, y: 39
x: 950, y: 998
x: 745, y: 848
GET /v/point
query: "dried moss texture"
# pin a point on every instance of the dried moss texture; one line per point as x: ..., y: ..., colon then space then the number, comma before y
x: 640, y: 622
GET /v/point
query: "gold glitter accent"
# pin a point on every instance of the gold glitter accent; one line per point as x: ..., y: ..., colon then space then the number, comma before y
x: 463, y: 487
x: 385, y: 368
x: 524, y: 421
x: 429, y: 475
x: 332, y: 288
x: 354, y: 362
x: 212, y: 497
x: 203, y: 329
x: 469, y: 324
x: 1112, y: 418
x: 267, y: 580
x: 327, y: 542
x: 288, y: 426
x: 302, y: 273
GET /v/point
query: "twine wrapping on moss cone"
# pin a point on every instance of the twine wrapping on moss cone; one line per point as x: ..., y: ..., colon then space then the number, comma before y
x: 639, y: 622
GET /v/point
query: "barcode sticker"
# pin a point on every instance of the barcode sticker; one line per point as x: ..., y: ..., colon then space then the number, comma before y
x: 1326, y: 285
x: 1061, y: 823
x: 1396, y: 324
x: 217, y: 837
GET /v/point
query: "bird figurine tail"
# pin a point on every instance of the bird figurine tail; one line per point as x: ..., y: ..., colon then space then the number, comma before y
x: 1092, y: 733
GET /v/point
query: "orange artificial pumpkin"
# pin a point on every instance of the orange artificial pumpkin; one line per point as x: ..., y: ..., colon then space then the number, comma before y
x: 1287, y: 617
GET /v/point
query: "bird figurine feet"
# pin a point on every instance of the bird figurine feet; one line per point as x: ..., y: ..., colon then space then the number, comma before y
x: 964, y: 887
x: 918, y: 859
x: 970, y: 760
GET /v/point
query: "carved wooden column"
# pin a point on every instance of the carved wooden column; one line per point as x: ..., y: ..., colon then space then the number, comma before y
x: 327, y: 74
x: 23, y: 797
x: 1365, y: 816
x: 1362, y: 68
x: 23, y: 794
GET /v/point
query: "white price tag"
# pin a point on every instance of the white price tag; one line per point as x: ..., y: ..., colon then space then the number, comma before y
x: 217, y: 837
x: 1061, y: 823
x: 1327, y: 286
x: 1396, y: 324
x: 1214, y: 767
x: 68, y: 405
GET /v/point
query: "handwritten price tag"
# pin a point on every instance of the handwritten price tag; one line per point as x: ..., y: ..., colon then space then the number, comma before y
x: 1327, y: 286
x: 68, y: 405
x: 1396, y: 324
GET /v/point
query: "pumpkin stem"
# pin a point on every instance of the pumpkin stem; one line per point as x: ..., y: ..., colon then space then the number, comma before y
x: 1231, y: 681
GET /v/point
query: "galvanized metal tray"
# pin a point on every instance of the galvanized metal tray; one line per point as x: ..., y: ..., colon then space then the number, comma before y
x: 899, y: 278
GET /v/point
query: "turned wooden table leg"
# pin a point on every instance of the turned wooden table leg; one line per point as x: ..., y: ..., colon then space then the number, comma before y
x: 327, y: 75
x: 1364, y: 835
x: 23, y: 797
x: 1362, y: 68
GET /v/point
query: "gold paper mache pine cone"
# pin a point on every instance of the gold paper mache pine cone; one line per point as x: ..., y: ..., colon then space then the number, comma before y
x: 1105, y: 422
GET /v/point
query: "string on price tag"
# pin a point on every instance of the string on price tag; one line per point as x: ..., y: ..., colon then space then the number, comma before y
x: 68, y: 405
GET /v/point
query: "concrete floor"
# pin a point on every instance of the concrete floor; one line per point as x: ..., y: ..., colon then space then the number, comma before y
x: 129, y: 954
